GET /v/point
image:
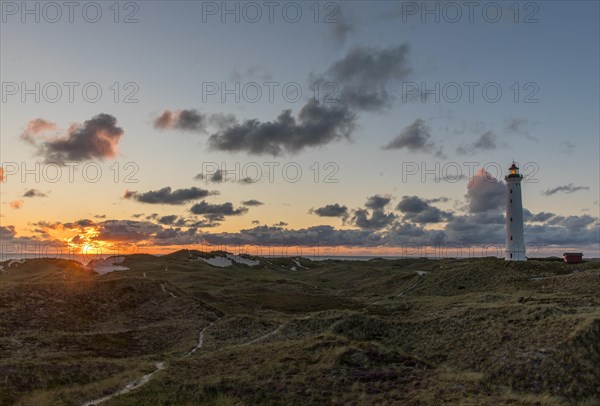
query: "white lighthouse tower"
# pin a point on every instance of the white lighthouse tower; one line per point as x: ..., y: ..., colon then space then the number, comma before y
x: 515, y: 243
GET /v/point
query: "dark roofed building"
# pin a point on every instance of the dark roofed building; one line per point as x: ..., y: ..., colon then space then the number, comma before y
x: 573, y: 257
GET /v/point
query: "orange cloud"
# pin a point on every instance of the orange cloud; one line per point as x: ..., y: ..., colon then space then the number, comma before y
x: 16, y: 204
x: 2, y: 177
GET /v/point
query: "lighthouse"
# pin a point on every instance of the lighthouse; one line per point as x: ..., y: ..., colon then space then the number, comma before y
x: 515, y: 243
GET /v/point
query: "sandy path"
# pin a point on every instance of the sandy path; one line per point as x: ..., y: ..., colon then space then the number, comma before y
x: 200, y: 341
x: 167, y: 291
x: 130, y: 386
x: 256, y: 340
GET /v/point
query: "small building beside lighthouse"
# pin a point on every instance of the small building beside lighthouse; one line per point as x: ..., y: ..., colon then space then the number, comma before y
x: 515, y: 242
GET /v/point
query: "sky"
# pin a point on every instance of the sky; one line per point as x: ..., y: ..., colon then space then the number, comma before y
x: 313, y: 128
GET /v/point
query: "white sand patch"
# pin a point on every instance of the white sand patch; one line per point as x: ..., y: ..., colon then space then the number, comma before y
x: 297, y: 262
x: 106, y: 265
x: 221, y: 262
x: 228, y: 260
x: 421, y: 273
x: 293, y: 268
x: 242, y: 260
x: 14, y: 261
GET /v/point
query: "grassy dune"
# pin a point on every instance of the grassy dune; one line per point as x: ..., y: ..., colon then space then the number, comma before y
x: 293, y: 331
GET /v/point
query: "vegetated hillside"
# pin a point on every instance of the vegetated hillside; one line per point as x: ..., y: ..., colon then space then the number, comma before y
x: 291, y: 330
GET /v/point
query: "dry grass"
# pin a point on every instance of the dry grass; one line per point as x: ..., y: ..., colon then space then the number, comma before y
x: 470, y: 332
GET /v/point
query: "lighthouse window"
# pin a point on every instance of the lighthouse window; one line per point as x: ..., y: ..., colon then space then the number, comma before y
x: 511, y: 191
x: 511, y: 237
x: 511, y: 255
x: 511, y: 200
x: 511, y: 219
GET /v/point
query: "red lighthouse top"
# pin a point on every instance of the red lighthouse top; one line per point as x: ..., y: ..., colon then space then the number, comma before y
x: 513, y: 172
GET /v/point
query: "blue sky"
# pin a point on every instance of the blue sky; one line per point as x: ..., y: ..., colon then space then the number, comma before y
x: 171, y: 53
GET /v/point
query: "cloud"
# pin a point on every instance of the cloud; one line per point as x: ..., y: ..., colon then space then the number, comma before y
x: 125, y: 230
x: 186, y: 120
x: 366, y: 75
x: 519, y: 126
x: 567, y: 147
x: 168, y: 196
x: 252, y: 202
x: 543, y: 216
x: 323, y: 236
x: 168, y: 220
x: 570, y: 188
x: 377, y: 202
x: 217, y: 212
x: 2, y: 177
x: 485, y: 227
x: 216, y: 177
x: 34, y: 193
x: 418, y: 210
x: 96, y: 138
x: 485, y: 142
x: 331, y: 210
x: 415, y: 138
x: 16, y: 204
x: 35, y: 127
x: 438, y: 200
x: 484, y: 192
x: 316, y: 125
x: 516, y: 125
x: 343, y: 23
x: 253, y: 72
x: 378, y: 218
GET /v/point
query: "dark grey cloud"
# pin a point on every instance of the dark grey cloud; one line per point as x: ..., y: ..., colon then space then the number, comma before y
x: 252, y: 72
x: 377, y: 202
x: 485, y: 142
x: 186, y: 120
x: 217, y: 212
x: 331, y: 210
x: 416, y: 138
x: 96, y: 138
x: 168, y: 196
x: 177, y: 236
x: 570, y: 188
x: 81, y: 224
x: 34, y: 193
x: 516, y: 124
x: 220, y: 176
x: 322, y: 235
x: 216, y: 177
x: 317, y: 124
x: 519, y: 126
x: 366, y: 76
x: 252, y: 202
x: 377, y: 220
x: 484, y: 192
x: 438, y: 200
x: 417, y: 210
x: 543, y: 216
x: 485, y: 227
x: 567, y: 147
x: 565, y: 230
x: 168, y: 220
x: 125, y: 230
